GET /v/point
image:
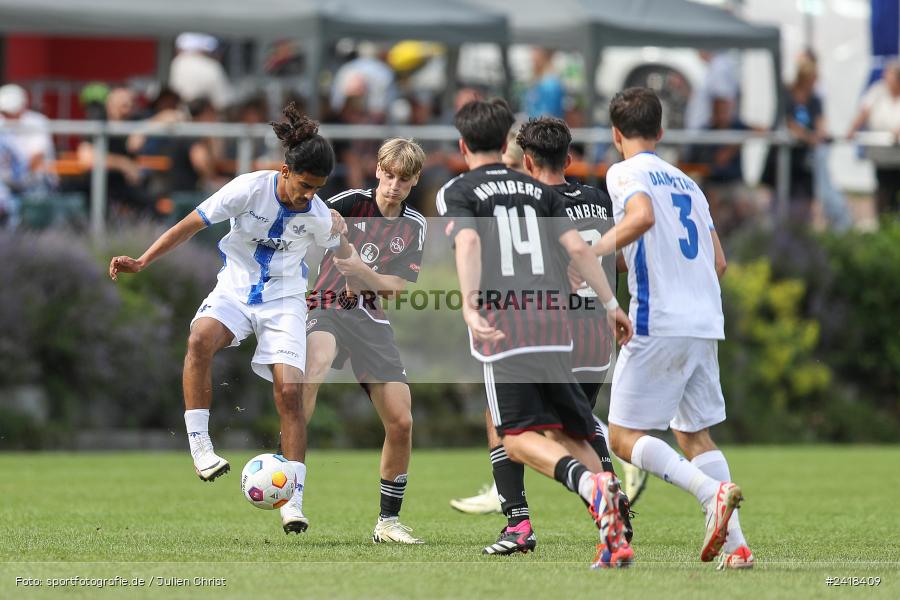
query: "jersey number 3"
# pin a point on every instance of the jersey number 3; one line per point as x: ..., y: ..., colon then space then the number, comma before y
x: 510, y: 231
x: 691, y: 245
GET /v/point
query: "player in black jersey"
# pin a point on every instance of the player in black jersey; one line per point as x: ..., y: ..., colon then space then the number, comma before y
x: 346, y: 320
x: 545, y: 142
x: 503, y: 237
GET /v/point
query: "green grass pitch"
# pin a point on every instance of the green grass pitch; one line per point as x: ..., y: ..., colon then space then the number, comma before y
x: 811, y: 513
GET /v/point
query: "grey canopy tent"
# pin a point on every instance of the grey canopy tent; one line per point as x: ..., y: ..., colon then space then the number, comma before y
x: 589, y: 25
x: 316, y: 22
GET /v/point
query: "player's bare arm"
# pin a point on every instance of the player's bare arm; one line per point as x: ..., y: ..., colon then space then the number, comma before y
x: 338, y: 224
x: 586, y: 263
x: 721, y: 263
x: 171, y: 239
x: 364, y: 278
x: 638, y: 219
x: 468, y: 267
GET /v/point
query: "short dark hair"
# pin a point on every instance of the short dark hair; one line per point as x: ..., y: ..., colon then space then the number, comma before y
x: 305, y: 151
x: 636, y: 112
x: 546, y: 140
x: 484, y: 125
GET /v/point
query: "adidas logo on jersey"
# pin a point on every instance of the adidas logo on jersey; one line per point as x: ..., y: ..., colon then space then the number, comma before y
x: 361, y: 226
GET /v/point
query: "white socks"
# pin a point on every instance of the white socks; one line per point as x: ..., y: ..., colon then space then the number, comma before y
x: 713, y: 463
x: 654, y: 455
x: 586, y: 487
x: 300, y: 470
x: 196, y: 421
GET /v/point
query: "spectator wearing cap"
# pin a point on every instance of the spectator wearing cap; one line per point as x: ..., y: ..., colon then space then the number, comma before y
x: 195, y: 73
x: 34, y: 145
x: 880, y: 111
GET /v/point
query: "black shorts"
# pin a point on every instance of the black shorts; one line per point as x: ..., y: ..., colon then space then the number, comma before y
x: 368, y: 345
x: 521, y: 397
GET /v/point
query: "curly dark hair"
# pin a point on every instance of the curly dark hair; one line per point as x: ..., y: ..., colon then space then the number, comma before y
x: 305, y: 151
x: 546, y: 140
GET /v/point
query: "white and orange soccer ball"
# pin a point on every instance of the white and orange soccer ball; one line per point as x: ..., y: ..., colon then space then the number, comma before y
x: 268, y: 481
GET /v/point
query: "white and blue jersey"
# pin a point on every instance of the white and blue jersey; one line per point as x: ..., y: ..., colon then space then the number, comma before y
x: 264, y: 252
x: 671, y: 267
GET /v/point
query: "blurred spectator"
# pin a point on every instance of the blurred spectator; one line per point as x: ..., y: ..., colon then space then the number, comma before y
x: 880, y: 111
x: 93, y: 101
x: 805, y: 119
x: 366, y: 75
x: 545, y: 96
x: 195, y: 72
x: 123, y: 172
x: 13, y: 179
x: 731, y: 202
x: 251, y: 111
x: 194, y: 160
x: 722, y: 80
x: 34, y: 146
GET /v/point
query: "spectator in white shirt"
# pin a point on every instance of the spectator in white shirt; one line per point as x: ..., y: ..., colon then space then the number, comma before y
x: 880, y: 111
x: 195, y: 72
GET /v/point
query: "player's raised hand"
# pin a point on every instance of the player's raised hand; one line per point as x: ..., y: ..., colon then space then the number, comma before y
x: 482, y: 331
x: 621, y: 324
x: 123, y: 264
x: 338, y: 224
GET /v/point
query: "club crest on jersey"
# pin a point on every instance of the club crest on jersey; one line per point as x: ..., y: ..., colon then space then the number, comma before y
x: 397, y: 245
x: 274, y: 243
x: 369, y: 252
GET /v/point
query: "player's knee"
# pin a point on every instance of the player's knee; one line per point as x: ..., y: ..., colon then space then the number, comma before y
x: 200, y: 346
x: 400, y: 427
x: 511, y: 445
x: 317, y: 366
x: 291, y: 396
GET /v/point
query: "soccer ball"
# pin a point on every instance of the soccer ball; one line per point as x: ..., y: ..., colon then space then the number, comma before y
x: 268, y: 481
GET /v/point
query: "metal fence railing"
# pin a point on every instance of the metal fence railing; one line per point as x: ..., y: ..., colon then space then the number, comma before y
x: 99, y: 132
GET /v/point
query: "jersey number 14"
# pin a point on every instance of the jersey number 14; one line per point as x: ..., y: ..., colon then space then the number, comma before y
x: 510, y: 231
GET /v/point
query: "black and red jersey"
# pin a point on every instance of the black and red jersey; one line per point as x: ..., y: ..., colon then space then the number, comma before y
x: 391, y: 246
x: 591, y: 211
x: 519, y: 221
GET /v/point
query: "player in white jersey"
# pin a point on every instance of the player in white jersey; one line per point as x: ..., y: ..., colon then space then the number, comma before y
x: 668, y: 374
x: 275, y: 217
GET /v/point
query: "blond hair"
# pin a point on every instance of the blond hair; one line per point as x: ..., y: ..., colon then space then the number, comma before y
x: 401, y: 157
x: 513, y: 149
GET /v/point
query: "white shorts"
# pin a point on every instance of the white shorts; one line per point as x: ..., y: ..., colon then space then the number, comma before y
x: 279, y: 325
x: 662, y: 382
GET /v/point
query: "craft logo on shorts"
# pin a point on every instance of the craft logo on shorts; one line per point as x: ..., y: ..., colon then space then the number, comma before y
x: 397, y: 245
x: 204, y: 308
x: 414, y: 267
x: 311, y: 323
x: 369, y: 252
x: 288, y: 352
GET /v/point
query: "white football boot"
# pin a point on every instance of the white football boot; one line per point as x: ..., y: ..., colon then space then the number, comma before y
x: 392, y: 530
x: 292, y: 518
x: 718, y: 512
x: 207, y: 463
x: 634, y: 481
x: 486, y: 502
